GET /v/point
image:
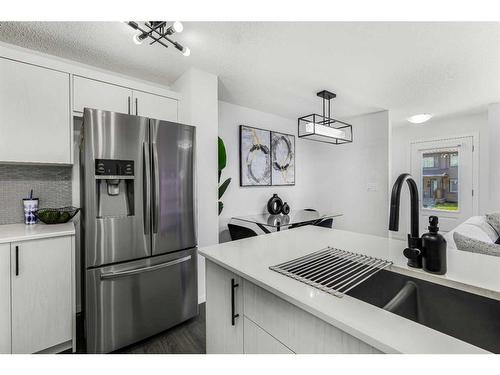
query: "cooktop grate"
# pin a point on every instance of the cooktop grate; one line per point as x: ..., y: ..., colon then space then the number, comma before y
x: 332, y: 270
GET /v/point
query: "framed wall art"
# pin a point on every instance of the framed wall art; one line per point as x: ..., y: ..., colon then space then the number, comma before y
x: 255, y: 156
x: 282, y: 159
x: 266, y: 158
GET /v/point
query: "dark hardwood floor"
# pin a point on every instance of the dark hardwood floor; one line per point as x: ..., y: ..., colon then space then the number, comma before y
x: 185, y: 338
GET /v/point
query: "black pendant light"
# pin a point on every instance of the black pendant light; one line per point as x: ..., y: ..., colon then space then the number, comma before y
x: 323, y: 128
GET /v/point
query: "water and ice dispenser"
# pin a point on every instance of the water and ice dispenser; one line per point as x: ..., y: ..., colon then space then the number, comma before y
x: 114, y: 187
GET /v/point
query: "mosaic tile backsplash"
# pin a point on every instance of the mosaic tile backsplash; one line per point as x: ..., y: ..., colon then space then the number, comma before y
x: 51, y: 184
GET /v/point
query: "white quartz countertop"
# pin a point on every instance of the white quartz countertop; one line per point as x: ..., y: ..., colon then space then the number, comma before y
x: 22, y: 232
x: 252, y: 257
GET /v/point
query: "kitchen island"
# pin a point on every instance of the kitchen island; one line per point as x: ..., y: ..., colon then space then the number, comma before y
x: 252, y: 309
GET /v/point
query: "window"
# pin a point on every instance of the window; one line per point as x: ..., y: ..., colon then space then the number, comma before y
x: 453, y: 161
x: 453, y: 185
x: 428, y: 162
x: 440, y: 180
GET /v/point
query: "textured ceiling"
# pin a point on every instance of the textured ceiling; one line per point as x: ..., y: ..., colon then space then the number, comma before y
x: 408, y: 68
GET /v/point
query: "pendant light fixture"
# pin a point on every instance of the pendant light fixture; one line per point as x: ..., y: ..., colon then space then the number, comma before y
x: 323, y: 128
x: 158, y: 32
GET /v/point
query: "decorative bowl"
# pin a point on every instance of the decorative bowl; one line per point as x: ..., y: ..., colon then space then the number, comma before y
x: 56, y: 215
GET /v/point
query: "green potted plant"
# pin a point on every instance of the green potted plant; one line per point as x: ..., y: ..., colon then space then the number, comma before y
x: 222, y: 165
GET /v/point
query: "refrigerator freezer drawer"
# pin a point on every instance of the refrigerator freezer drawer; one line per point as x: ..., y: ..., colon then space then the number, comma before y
x: 128, y: 302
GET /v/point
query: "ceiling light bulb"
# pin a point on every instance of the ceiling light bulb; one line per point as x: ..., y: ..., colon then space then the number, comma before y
x: 420, y: 118
x: 186, y: 51
x: 137, y: 39
x: 178, y: 26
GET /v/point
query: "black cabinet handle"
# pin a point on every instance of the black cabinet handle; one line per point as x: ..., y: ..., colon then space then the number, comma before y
x: 136, y: 106
x: 128, y: 102
x: 234, y: 285
x: 17, y: 260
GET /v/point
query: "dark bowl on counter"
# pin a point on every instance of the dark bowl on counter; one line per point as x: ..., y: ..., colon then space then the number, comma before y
x: 56, y: 215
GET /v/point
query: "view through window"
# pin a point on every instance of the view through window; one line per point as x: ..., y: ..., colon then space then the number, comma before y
x: 440, y: 180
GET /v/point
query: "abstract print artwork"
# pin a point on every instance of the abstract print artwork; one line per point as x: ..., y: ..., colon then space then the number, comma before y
x: 255, y: 156
x: 282, y: 159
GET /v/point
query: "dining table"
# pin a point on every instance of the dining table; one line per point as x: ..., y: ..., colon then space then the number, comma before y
x: 294, y: 218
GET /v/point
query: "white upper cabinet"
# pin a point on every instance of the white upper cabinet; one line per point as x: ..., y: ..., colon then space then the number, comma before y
x: 155, y: 106
x: 35, y: 123
x: 89, y: 93
x: 5, y: 298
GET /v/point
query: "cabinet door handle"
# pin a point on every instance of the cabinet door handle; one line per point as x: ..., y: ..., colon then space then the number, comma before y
x: 136, y: 106
x: 128, y: 101
x: 234, y: 285
x: 17, y: 260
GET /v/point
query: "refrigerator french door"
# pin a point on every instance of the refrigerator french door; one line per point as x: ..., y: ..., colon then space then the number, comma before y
x: 138, y: 227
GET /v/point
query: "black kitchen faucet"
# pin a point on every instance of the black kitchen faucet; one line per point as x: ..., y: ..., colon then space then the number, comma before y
x: 414, y: 250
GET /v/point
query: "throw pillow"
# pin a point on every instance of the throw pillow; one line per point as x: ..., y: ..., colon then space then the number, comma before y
x: 494, y: 221
x: 465, y: 243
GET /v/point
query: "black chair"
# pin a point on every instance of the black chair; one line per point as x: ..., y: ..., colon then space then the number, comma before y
x: 325, y: 223
x: 237, y: 232
x: 302, y: 224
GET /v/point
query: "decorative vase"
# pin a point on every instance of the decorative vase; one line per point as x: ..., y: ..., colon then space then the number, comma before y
x: 274, y: 205
x: 285, y: 210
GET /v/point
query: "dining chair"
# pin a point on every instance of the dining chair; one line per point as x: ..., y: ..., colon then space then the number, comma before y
x: 325, y: 223
x: 302, y: 224
x: 237, y: 232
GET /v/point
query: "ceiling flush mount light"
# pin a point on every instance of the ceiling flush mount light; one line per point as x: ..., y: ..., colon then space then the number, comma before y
x: 158, y: 32
x: 420, y: 118
x: 323, y: 128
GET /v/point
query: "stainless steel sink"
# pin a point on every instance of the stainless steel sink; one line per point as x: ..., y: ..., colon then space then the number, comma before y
x: 465, y: 316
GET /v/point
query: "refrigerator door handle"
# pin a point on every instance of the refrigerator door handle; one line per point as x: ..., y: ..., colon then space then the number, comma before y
x: 156, y: 182
x: 115, y: 275
x: 146, y: 187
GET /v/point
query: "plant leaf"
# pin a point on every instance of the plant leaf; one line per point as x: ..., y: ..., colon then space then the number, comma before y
x: 221, y: 206
x: 222, y: 155
x: 220, y: 172
x: 223, y: 187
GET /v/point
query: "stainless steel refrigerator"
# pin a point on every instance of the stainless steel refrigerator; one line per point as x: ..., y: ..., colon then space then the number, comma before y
x: 138, y: 227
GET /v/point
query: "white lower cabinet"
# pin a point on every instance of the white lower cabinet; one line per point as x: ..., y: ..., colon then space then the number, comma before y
x: 42, y: 294
x: 266, y: 323
x: 155, y: 106
x: 5, y: 298
x: 224, y: 310
x: 258, y: 341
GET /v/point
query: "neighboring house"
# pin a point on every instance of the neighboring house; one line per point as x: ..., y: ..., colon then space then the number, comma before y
x: 440, y: 178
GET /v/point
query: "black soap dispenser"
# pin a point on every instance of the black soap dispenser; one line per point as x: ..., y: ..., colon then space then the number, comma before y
x: 434, y: 249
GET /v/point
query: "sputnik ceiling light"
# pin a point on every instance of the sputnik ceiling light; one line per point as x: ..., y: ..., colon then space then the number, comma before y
x: 158, y: 32
x: 323, y: 128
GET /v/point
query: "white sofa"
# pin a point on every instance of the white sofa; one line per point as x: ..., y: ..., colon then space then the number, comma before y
x: 475, y: 227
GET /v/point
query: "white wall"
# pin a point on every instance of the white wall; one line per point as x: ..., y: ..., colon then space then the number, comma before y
x: 401, y: 138
x: 198, y: 107
x: 358, y: 176
x: 494, y: 154
x: 328, y: 177
x: 239, y: 201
